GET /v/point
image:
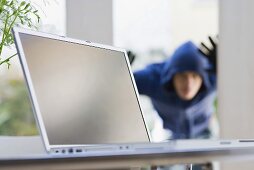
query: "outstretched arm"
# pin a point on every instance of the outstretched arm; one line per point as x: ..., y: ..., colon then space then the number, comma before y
x: 142, y: 77
x: 147, y: 80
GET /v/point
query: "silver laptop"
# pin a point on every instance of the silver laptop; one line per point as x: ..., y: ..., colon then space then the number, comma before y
x: 85, y: 99
x: 83, y: 94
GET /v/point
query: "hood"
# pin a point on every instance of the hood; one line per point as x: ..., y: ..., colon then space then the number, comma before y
x: 185, y: 58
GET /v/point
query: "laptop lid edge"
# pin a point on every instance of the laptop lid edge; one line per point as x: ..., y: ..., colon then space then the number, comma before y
x: 27, y: 77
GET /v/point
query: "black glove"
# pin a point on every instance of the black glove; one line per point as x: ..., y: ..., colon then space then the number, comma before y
x: 131, y: 56
x: 210, y: 54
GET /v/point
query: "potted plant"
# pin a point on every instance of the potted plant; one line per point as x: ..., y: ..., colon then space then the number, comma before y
x: 13, y: 120
x: 14, y: 13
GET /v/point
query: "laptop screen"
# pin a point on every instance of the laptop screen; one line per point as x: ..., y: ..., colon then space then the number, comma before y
x: 85, y: 94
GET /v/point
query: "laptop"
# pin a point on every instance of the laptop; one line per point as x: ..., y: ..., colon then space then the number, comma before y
x: 85, y: 100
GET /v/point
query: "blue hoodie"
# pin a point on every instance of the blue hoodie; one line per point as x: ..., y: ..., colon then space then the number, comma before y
x: 186, y: 119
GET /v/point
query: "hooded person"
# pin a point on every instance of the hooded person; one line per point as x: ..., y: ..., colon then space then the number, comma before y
x: 182, y: 90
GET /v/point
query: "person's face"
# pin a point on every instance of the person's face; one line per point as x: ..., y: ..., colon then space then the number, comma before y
x: 187, y: 84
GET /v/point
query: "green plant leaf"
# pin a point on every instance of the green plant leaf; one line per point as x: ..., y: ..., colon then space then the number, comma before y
x: 27, y: 5
x: 15, y: 13
x: 22, y: 3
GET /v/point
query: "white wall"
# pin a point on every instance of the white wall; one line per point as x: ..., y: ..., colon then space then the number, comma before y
x: 52, y: 13
x: 236, y: 69
x: 236, y: 74
x: 193, y: 20
x: 142, y: 27
x: 90, y: 20
x: 163, y: 24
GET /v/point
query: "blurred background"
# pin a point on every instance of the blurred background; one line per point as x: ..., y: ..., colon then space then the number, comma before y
x: 151, y: 29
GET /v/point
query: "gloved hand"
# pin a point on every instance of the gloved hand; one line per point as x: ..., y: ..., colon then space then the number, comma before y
x: 131, y: 56
x: 210, y: 53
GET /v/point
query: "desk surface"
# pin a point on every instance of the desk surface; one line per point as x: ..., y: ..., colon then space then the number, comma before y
x: 28, y: 152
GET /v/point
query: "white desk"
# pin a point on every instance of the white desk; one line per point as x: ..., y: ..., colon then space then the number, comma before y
x: 29, y: 153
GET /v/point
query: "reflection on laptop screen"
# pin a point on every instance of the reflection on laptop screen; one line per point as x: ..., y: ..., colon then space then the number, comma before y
x: 85, y: 94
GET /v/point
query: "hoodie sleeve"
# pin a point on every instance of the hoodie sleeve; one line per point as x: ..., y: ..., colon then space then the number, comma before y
x: 147, y: 80
x: 213, y: 80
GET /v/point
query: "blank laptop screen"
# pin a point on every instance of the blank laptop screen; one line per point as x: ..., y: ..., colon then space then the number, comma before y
x: 85, y: 94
